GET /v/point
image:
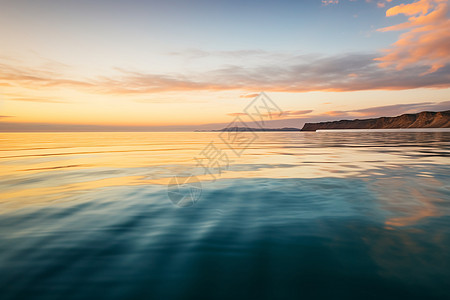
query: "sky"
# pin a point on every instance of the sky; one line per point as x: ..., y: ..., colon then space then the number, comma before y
x: 185, y: 65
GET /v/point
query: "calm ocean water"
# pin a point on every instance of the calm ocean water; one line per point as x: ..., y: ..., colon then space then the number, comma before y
x: 342, y: 215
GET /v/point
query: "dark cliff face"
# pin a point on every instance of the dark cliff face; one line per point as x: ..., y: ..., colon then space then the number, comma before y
x: 424, y: 119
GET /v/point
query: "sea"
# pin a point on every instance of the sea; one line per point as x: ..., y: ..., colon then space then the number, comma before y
x: 225, y: 215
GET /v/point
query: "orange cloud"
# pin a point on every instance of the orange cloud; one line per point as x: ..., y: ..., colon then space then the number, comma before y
x: 334, y: 113
x: 236, y: 114
x: 296, y: 112
x: 419, y: 7
x: 427, y: 41
x: 252, y: 95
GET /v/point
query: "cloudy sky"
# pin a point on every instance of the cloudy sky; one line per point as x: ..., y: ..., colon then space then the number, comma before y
x: 182, y: 65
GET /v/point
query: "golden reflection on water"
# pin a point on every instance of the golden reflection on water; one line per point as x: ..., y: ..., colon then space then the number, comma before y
x: 41, y: 168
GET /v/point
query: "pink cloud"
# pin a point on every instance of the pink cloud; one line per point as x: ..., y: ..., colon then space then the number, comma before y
x: 251, y: 95
x: 327, y: 2
x: 427, y: 41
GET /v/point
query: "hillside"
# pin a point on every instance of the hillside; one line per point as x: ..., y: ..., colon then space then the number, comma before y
x: 424, y: 119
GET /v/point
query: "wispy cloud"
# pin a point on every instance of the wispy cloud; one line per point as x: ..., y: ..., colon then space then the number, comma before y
x: 427, y: 40
x: 283, y: 114
x: 296, y: 112
x: 40, y: 100
x: 250, y: 95
x: 32, y: 77
x: 398, y: 109
x: 345, y: 72
x: 238, y: 114
x: 335, y: 113
x: 328, y: 2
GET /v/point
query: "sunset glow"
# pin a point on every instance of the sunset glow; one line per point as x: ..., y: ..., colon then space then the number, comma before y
x: 224, y: 149
x: 61, y: 65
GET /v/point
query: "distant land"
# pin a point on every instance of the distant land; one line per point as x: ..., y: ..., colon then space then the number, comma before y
x: 425, y: 119
x: 252, y: 129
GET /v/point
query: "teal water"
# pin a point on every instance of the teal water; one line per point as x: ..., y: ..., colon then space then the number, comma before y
x: 342, y: 215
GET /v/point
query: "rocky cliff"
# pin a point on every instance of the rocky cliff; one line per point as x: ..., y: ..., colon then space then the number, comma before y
x: 426, y: 119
